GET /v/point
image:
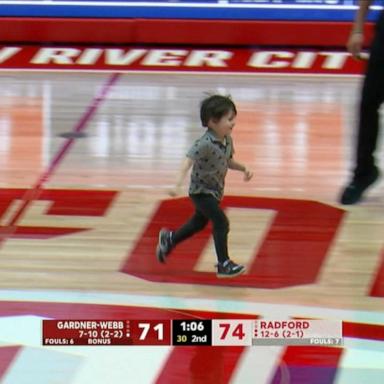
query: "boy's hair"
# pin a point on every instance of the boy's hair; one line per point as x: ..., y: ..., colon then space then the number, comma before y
x: 215, y: 107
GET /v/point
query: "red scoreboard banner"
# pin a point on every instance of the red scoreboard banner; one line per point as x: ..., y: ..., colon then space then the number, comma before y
x: 223, y: 332
x: 106, y: 332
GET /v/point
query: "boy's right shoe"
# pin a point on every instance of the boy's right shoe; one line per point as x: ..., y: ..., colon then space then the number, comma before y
x: 354, y: 191
x: 164, y: 246
x: 229, y: 269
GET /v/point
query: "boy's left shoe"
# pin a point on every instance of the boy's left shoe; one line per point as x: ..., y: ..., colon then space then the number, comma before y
x: 164, y: 246
x: 229, y: 269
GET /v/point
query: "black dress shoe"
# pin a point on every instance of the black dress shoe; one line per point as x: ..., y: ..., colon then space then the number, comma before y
x: 354, y: 191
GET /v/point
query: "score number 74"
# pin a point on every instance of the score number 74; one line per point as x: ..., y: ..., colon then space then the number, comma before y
x: 232, y: 332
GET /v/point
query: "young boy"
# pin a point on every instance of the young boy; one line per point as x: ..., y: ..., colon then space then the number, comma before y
x: 211, y: 156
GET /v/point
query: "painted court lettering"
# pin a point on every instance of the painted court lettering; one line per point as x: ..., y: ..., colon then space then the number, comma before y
x: 144, y: 59
x: 298, y: 60
x: 8, y: 52
x: 60, y: 56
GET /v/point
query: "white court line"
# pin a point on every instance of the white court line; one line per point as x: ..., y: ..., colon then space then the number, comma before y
x: 276, y: 311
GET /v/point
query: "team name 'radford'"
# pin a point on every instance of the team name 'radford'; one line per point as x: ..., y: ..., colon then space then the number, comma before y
x: 276, y: 324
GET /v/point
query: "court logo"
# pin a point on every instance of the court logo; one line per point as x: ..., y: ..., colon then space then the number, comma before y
x: 61, y: 202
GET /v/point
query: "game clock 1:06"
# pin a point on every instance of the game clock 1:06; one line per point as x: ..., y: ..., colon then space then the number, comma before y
x: 192, y: 326
x: 191, y: 332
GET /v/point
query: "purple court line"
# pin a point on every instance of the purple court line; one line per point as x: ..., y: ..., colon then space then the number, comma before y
x: 33, y: 193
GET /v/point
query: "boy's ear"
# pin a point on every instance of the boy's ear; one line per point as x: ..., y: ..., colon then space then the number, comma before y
x: 212, y: 120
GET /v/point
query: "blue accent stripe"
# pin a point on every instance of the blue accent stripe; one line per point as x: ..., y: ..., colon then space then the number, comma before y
x: 216, y: 12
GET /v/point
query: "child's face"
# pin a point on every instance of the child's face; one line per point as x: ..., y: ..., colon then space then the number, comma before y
x: 224, y: 126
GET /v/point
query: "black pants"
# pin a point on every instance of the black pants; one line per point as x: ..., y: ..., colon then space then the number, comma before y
x: 372, y: 97
x: 207, y: 208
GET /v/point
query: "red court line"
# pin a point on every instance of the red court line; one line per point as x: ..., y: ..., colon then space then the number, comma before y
x: 33, y: 193
x: 377, y: 289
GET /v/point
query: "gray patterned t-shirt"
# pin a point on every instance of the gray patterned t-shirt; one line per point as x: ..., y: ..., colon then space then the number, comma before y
x: 210, y: 164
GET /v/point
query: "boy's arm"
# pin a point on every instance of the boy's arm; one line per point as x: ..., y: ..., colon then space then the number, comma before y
x: 233, y: 164
x: 185, y: 167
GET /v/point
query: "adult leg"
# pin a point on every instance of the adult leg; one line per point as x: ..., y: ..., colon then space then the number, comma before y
x: 372, y: 96
x: 371, y: 99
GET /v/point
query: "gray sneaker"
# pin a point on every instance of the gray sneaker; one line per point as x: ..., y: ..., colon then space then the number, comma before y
x: 229, y: 269
x: 164, y: 246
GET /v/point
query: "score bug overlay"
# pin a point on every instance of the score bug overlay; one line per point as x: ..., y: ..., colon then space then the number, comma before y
x: 207, y: 332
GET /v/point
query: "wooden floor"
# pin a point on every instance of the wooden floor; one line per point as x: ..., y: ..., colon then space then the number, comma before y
x: 86, y: 162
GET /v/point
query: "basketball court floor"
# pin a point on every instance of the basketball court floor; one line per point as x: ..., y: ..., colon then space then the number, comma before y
x: 86, y: 162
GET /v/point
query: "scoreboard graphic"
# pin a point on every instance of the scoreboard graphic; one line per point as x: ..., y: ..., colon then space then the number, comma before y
x: 192, y: 332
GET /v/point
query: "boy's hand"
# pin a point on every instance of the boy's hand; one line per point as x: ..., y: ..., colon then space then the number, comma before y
x: 175, y: 191
x: 247, y: 175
